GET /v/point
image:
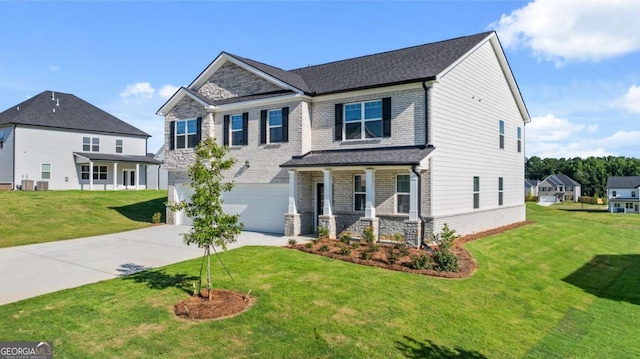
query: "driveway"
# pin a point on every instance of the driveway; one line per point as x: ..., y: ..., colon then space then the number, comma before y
x: 31, y: 270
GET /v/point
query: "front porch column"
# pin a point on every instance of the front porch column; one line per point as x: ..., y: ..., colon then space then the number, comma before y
x: 137, y: 176
x: 90, y: 176
x: 370, y: 193
x: 327, y: 208
x: 413, y: 197
x: 292, y: 221
x: 115, y: 176
x: 293, y: 191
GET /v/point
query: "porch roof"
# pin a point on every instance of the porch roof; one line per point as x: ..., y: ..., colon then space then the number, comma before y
x: 380, y: 156
x: 84, y: 157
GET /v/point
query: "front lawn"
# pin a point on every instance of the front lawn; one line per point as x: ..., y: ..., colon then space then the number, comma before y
x: 44, y: 216
x: 564, y: 287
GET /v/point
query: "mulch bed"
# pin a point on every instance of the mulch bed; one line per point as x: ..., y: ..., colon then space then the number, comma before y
x: 467, y: 264
x: 223, y: 304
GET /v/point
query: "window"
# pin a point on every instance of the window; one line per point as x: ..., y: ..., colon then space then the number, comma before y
x: 1, y: 140
x: 95, y: 144
x: 628, y: 205
x: 236, y: 130
x: 614, y: 194
x: 402, y: 194
x: 275, y: 126
x: 186, y: 133
x: 501, y: 134
x: 476, y: 192
x: 500, y: 191
x: 99, y: 172
x: 86, y: 144
x: 633, y: 194
x: 519, y: 139
x: 616, y: 205
x: 45, y: 171
x: 119, y: 146
x: 359, y: 192
x: 363, y: 120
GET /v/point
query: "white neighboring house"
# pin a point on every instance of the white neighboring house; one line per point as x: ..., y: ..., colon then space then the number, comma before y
x: 58, y: 141
x: 157, y: 175
x: 401, y: 141
x: 531, y: 188
x: 559, y: 188
x: 623, y: 194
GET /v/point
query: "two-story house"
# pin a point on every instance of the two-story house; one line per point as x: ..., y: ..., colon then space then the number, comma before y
x: 402, y: 141
x: 559, y: 188
x: 60, y: 141
x: 531, y: 188
x: 623, y: 194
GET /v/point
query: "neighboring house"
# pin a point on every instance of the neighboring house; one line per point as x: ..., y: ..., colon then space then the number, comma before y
x: 59, y: 141
x: 623, y: 194
x: 157, y: 175
x: 531, y: 188
x: 559, y: 188
x: 403, y: 141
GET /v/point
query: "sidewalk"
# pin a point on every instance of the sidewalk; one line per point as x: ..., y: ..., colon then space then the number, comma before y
x: 31, y: 270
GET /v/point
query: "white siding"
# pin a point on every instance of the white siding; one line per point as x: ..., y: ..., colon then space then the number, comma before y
x: 466, y: 106
x: 6, y: 155
x: 38, y: 145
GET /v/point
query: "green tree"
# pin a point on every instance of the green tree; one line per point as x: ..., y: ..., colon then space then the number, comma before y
x: 212, y: 227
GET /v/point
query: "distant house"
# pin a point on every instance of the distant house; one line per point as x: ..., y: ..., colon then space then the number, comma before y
x: 157, y: 175
x: 622, y: 194
x: 531, y: 188
x: 59, y: 141
x: 559, y: 188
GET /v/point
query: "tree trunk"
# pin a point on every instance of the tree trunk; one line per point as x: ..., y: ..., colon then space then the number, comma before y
x: 209, y: 271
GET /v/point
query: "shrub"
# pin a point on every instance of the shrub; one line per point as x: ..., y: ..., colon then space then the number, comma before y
x: 443, y: 258
x: 345, y: 251
x: 367, y: 255
x: 368, y: 235
x: 323, y: 248
x: 323, y: 232
x: 308, y: 244
x: 155, y: 218
x: 403, y: 249
x: 392, y: 255
x: 345, y: 238
x: 422, y: 261
x: 398, y: 237
x: 356, y: 245
x: 374, y: 248
x: 292, y: 242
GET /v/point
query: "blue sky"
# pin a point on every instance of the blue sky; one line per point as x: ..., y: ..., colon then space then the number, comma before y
x: 577, y: 62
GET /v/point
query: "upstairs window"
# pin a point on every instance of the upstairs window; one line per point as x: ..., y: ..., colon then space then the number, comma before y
x: 119, y: 146
x: 402, y: 194
x: 500, y: 191
x: 274, y: 126
x: 501, y: 134
x: 359, y: 193
x: 476, y: 192
x: 1, y: 140
x: 45, y: 172
x: 86, y: 144
x: 633, y: 194
x: 95, y: 144
x: 519, y: 139
x: 614, y: 194
x: 363, y: 120
x: 235, y: 131
x: 90, y: 144
x: 186, y: 133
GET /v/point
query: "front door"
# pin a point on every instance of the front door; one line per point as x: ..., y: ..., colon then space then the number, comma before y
x: 319, y: 202
x: 128, y: 178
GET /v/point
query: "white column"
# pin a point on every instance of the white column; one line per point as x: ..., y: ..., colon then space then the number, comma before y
x: 115, y: 176
x: 90, y: 176
x: 327, y: 209
x: 413, y: 197
x: 370, y: 193
x: 293, y: 191
x: 137, y: 176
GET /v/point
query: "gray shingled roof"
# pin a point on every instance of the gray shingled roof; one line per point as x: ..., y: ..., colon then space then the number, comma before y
x: 117, y: 158
x: 389, y: 156
x: 70, y: 112
x: 623, y: 182
x: 560, y: 179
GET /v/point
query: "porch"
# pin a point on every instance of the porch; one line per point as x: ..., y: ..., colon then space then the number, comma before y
x: 112, y: 172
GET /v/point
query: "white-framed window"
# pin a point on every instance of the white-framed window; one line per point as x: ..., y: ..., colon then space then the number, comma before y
x: 519, y: 139
x: 274, y: 123
x: 501, y: 125
x: 363, y: 120
x: 119, y: 146
x: 186, y: 133
x: 86, y: 144
x: 616, y: 205
x: 99, y: 172
x: 628, y: 205
x: 476, y: 192
x: 45, y: 171
x: 403, y: 195
x: 633, y: 194
x: 614, y: 193
x: 359, y: 192
x: 236, y: 130
x: 500, y: 191
x: 95, y: 144
x: 1, y: 140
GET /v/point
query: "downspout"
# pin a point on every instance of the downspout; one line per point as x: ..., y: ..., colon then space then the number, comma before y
x: 414, y: 169
x: 13, y: 175
x: 426, y: 113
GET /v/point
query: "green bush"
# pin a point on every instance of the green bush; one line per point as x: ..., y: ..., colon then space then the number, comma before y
x: 323, y: 232
x: 323, y: 248
x: 155, y: 218
x: 422, y: 261
x: 368, y: 235
x: 308, y: 244
x: 345, y: 251
x: 402, y: 248
x: 374, y: 248
x: 345, y: 238
x: 292, y: 242
x: 367, y: 255
x: 398, y: 237
x: 356, y: 245
x: 444, y: 259
x: 393, y: 255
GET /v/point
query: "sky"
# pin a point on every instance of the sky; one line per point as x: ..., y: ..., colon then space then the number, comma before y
x: 576, y: 62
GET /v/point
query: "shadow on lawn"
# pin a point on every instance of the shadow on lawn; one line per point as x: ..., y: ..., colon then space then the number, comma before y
x: 142, y: 211
x: 412, y: 348
x: 614, y: 277
x: 157, y: 279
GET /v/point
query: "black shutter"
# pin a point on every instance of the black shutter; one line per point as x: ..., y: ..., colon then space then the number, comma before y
x: 337, y: 130
x: 245, y: 128
x: 285, y: 124
x: 198, y: 130
x: 386, y: 117
x: 172, y: 135
x: 263, y: 127
x: 225, y: 131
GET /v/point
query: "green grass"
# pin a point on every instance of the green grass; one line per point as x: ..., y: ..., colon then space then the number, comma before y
x: 564, y: 287
x: 45, y: 216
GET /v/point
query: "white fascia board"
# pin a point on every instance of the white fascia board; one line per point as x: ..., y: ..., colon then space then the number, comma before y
x: 260, y: 102
x: 176, y: 98
x: 348, y: 168
x: 365, y: 92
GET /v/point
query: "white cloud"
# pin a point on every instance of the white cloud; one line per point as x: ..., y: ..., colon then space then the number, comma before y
x: 580, y: 30
x: 552, y: 128
x: 630, y: 101
x: 138, y: 90
x: 622, y: 139
x: 167, y: 91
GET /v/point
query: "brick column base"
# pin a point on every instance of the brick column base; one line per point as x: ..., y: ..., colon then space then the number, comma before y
x: 292, y: 223
x: 328, y: 222
x: 412, y: 230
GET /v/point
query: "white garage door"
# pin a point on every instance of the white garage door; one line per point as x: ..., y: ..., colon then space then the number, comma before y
x: 261, y: 206
x: 548, y: 199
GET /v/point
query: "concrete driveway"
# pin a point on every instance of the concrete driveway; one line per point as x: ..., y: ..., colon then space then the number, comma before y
x: 31, y: 270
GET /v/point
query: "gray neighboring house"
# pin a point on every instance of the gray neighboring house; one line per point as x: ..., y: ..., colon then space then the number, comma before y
x: 402, y: 141
x: 157, y: 175
x: 559, y: 188
x: 622, y: 194
x: 58, y: 141
x: 531, y: 188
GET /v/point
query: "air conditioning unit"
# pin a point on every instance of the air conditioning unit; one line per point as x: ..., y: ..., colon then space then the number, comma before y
x: 42, y: 185
x: 27, y: 185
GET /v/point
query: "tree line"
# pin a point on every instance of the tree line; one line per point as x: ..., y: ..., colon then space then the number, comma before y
x: 591, y: 173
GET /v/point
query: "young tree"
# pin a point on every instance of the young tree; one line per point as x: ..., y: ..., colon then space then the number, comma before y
x: 211, y: 225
